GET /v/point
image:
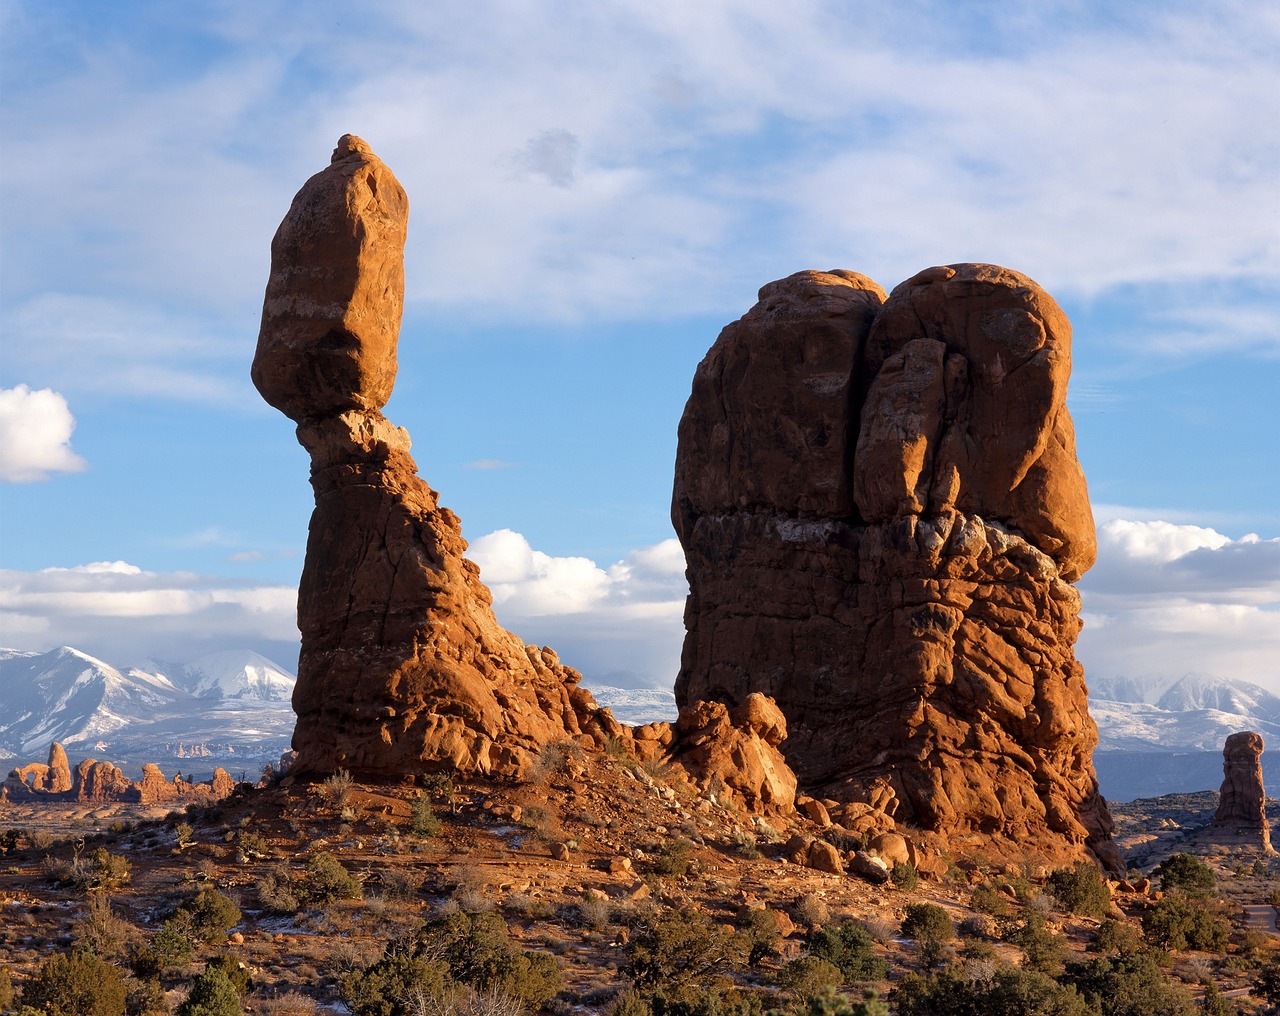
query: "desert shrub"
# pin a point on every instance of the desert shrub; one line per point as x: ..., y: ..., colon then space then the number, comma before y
x: 904, y: 876
x: 673, y: 857
x: 236, y: 972
x: 1213, y: 1004
x: 746, y: 844
x: 1041, y: 948
x: 76, y: 985
x: 1266, y: 985
x: 182, y: 833
x: 291, y: 1003
x: 471, y: 950
x: 422, y: 818
x: 147, y: 998
x: 211, y: 915
x: 326, y: 881
x: 553, y: 759
x: 882, y: 929
x: 107, y: 872
x: 1180, y: 922
x: 1187, y: 874
x: 99, y: 930
x: 1081, y: 890
x: 397, y: 885
x: 812, y: 910
x: 336, y: 790
x: 594, y: 913
x: 1117, y: 936
x: 277, y: 891
x: 927, y: 921
x: 9, y: 841
x: 759, y: 930
x: 6, y: 990
x: 676, y: 948
x: 809, y: 975
x: 212, y: 994
x: 252, y: 846
x: 989, y: 900
x: 849, y: 949
x: 1129, y: 986
x: 1008, y: 991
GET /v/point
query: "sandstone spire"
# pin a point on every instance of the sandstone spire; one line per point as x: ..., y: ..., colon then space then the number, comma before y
x: 1242, y: 806
x: 882, y: 512
x: 403, y: 665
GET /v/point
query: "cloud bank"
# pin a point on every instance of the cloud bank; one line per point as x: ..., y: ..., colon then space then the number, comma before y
x: 35, y: 435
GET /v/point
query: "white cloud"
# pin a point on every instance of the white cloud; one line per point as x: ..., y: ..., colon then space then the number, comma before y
x: 35, y: 435
x: 119, y: 611
x: 619, y: 625
x: 1169, y: 599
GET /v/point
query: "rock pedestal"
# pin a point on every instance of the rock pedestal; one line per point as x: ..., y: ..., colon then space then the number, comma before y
x: 882, y: 513
x: 403, y: 666
x: 1242, y: 806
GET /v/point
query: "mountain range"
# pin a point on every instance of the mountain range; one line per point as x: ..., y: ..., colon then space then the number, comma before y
x: 224, y: 705
x: 1154, y: 735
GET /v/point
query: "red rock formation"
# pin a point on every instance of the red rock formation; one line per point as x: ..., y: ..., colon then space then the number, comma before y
x: 403, y: 666
x: 881, y: 511
x: 99, y: 781
x: 1242, y: 808
x: 59, y: 778
x: 734, y: 754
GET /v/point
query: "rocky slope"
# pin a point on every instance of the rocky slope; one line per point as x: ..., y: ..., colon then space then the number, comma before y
x: 882, y: 512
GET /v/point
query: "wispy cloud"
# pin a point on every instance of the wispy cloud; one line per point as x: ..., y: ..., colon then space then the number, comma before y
x: 1167, y: 599
x: 35, y: 435
x: 121, y: 612
x: 671, y: 158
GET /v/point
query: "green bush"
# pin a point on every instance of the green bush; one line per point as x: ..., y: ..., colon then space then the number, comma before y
x: 460, y: 950
x: 927, y: 922
x: 1267, y: 984
x: 808, y: 975
x: 678, y: 948
x: 1118, y: 937
x: 278, y: 890
x: 422, y: 818
x: 6, y: 990
x: 1180, y: 922
x: 904, y: 876
x: 1129, y: 986
x: 79, y: 985
x: 212, y: 994
x: 988, y: 900
x: 326, y: 881
x: 1009, y: 991
x: 1041, y: 948
x: 236, y: 972
x: 211, y: 915
x: 849, y: 948
x: 1187, y: 874
x: 1081, y: 890
x: 673, y: 858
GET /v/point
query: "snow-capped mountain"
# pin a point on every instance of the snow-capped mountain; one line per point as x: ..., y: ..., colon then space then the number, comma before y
x: 1192, y: 713
x: 234, y: 698
x: 239, y: 674
x: 636, y: 706
x: 66, y: 695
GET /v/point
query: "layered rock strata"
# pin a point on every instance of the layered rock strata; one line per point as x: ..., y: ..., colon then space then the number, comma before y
x: 882, y: 513
x: 1242, y: 806
x: 403, y: 666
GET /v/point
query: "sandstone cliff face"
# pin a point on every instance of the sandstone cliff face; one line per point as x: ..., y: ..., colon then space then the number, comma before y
x: 882, y: 511
x: 1242, y: 807
x: 403, y: 666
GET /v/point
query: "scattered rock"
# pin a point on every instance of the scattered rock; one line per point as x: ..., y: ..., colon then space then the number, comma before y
x: 865, y: 866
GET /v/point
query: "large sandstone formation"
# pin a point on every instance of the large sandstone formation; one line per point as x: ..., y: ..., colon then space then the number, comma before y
x: 1242, y: 808
x: 403, y: 666
x: 882, y: 513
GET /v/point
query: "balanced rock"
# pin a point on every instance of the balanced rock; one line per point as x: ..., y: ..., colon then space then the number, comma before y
x: 403, y: 666
x: 882, y: 512
x: 1242, y: 806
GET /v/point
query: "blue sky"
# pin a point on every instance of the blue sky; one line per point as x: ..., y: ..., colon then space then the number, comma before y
x: 596, y: 190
